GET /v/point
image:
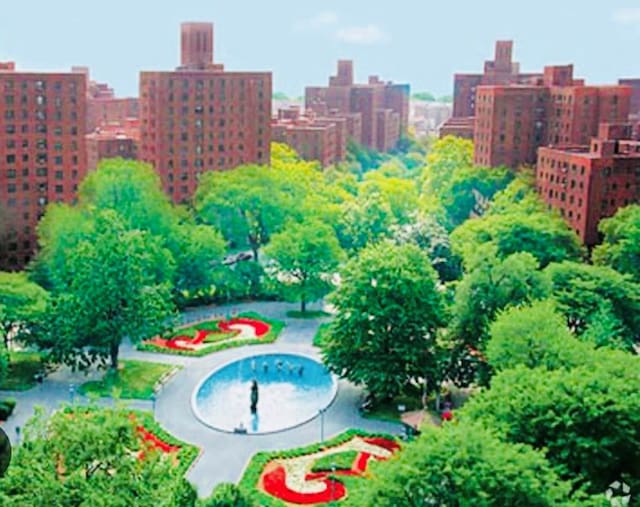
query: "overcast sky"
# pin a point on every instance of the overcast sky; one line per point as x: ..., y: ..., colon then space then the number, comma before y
x: 422, y: 42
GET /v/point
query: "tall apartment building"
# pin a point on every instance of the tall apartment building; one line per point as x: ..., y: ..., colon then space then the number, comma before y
x: 512, y: 121
x: 502, y: 70
x: 42, y: 152
x: 634, y: 111
x: 588, y: 183
x: 383, y: 107
x: 202, y: 118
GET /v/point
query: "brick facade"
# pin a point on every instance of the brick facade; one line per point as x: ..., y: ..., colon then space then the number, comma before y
x: 42, y: 152
x: 588, y: 183
x: 377, y: 112
x: 202, y: 118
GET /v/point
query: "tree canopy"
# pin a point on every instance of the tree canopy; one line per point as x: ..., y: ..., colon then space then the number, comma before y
x: 115, y: 288
x: 493, y: 285
x: 88, y: 458
x: 620, y: 248
x: 304, y: 258
x: 388, y: 310
x: 533, y: 336
x: 586, y: 419
x: 588, y: 294
x: 468, y: 466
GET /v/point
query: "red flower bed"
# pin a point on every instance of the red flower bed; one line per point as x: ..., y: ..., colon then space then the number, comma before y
x: 274, y: 483
x: 385, y: 443
x: 224, y: 326
x: 155, y: 442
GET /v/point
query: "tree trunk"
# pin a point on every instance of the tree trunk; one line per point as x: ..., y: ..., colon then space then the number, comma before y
x: 113, y: 352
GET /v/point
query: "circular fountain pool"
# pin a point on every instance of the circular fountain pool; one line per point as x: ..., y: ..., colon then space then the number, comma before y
x: 292, y: 389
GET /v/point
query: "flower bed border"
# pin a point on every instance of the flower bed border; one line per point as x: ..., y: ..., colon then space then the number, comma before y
x: 276, y: 328
x: 253, y: 471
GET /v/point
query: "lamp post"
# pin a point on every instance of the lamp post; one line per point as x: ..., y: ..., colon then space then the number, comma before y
x: 321, y: 412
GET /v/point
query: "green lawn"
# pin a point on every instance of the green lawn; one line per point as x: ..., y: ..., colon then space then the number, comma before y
x: 309, y: 314
x: 135, y: 379
x: 22, y: 368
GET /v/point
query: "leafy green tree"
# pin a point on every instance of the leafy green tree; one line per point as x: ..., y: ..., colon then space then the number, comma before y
x: 588, y: 294
x: 365, y: 221
x: 59, y: 231
x: 133, y: 191
x: 426, y: 232
x: 467, y: 466
x: 389, y: 309
x: 533, y: 336
x: 447, y: 156
x: 227, y: 495
x: 586, y: 419
x: 493, y: 285
x: 305, y: 256
x: 89, y: 458
x: 115, y: 289
x: 620, y: 248
x: 461, y: 189
x: 22, y: 306
x: 542, y: 234
x: 467, y: 192
x: 400, y: 193
x: 251, y: 203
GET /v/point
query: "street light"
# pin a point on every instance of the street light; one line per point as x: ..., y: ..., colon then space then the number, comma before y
x: 321, y: 412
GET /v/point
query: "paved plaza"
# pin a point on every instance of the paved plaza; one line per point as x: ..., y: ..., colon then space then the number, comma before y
x: 223, y: 455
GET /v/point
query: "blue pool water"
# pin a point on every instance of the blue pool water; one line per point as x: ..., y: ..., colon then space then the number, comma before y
x: 291, y: 390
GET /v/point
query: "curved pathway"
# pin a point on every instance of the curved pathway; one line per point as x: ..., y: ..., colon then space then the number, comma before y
x: 223, y: 455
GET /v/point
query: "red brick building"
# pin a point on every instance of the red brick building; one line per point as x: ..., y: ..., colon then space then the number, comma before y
x: 313, y: 139
x: 383, y: 107
x: 114, y: 140
x: 512, y: 121
x: 634, y: 111
x: 202, y: 118
x: 42, y: 152
x: 103, y: 107
x: 502, y: 70
x: 588, y: 183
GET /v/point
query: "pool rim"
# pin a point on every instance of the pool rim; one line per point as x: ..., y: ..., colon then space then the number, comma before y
x: 201, y: 419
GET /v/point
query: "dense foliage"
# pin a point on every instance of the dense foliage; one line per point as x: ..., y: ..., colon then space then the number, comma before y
x: 389, y: 309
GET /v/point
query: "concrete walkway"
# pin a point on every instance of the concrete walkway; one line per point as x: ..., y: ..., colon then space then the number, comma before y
x: 223, y: 456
